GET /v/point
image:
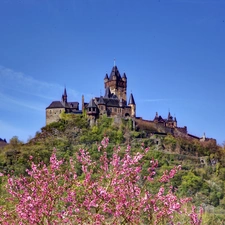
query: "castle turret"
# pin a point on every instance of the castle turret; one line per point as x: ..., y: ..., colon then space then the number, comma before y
x: 117, y: 84
x: 64, y: 96
x: 107, y: 93
x: 101, y: 105
x: 92, y: 112
x: 132, y: 105
x: 106, y: 79
x: 124, y: 78
x: 175, y: 122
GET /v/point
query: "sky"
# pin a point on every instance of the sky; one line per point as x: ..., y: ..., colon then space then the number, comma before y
x: 172, y: 51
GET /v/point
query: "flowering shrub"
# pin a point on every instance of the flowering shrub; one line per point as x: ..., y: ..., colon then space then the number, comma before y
x: 112, y: 191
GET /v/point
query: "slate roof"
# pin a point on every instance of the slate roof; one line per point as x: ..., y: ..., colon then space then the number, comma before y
x: 74, y: 105
x: 106, y: 76
x: 59, y: 104
x: 159, y: 119
x: 131, y: 100
x: 92, y: 104
x: 114, y: 102
x: 116, y: 72
x: 170, y: 118
x: 101, y: 101
x: 124, y: 75
x: 107, y: 93
x: 65, y: 94
x: 55, y: 104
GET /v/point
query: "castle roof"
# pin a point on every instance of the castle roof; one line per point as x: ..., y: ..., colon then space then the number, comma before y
x: 110, y: 102
x: 65, y: 94
x: 55, y: 104
x: 124, y: 76
x: 115, y: 72
x: 73, y: 104
x: 101, y: 101
x: 159, y: 119
x: 131, y: 100
x: 106, y: 76
x: 107, y: 93
x: 92, y: 104
x: 59, y: 104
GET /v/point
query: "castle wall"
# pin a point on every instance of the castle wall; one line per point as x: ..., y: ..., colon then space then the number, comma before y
x: 145, y: 124
x: 52, y: 115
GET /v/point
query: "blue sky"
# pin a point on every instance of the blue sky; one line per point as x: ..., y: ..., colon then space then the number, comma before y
x: 172, y: 51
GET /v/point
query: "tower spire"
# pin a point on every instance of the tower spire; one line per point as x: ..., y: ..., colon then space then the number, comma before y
x: 114, y: 62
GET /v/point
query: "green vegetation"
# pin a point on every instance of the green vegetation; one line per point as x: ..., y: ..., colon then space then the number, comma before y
x: 203, y: 163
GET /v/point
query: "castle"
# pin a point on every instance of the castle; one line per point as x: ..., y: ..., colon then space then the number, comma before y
x: 114, y: 104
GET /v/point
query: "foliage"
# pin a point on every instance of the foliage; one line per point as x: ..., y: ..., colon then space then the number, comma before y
x: 73, y: 133
x: 115, y: 194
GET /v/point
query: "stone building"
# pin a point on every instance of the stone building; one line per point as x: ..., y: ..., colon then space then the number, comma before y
x: 54, y: 110
x: 114, y: 102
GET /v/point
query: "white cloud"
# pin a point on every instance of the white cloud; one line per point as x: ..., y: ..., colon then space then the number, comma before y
x: 16, y: 88
x: 9, y: 101
x: 17, y: 81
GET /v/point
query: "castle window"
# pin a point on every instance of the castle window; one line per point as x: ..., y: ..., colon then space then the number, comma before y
x: 50, y: 111
x: 89, y: 109
x: 94, y: 109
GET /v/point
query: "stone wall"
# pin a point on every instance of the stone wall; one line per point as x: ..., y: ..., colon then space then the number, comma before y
x: 52, y: 115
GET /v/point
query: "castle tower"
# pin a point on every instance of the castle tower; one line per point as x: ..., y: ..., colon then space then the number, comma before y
x: 132, y: 105
x: 92, y: 112
x: 175, y: 122
x: 64, y: 96
x: 117, y: 84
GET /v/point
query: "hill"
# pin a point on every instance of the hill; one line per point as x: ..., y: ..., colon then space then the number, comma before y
x: 203, y: 163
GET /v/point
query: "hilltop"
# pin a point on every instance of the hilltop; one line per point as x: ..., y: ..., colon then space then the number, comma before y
x: 115, y: 104
x: 202, y: 175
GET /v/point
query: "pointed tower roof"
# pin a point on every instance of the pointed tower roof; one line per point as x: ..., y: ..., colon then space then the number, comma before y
x: 115, y: 72
x: 106, y: 76
x: 107, y: 93
x: 170, y: 118
x: 92, y: 104
x: 131, y: 100
x: 124, y: 76
x: 101, y: 101
x: 65, y: 94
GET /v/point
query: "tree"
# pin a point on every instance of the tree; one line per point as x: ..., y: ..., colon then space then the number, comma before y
x: 116, y: 194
